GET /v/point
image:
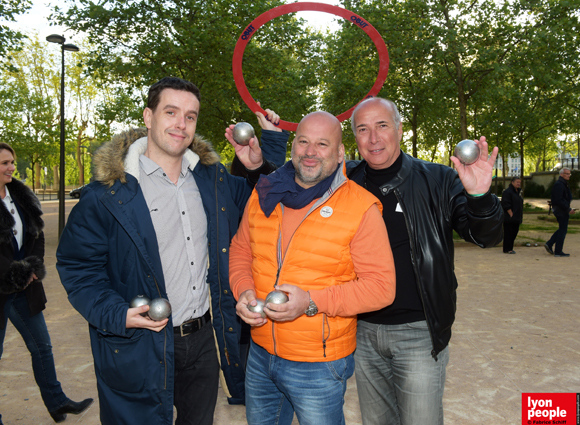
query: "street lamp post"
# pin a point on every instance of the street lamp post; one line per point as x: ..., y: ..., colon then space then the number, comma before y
x: 59, y: 39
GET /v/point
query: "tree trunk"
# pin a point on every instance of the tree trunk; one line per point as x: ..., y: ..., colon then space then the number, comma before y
x: 55, y: 179
x: 37, y: 176
x: 462, y: 99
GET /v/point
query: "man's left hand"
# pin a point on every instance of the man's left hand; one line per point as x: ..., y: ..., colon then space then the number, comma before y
x: 295, y: 307
x: 476, y: 177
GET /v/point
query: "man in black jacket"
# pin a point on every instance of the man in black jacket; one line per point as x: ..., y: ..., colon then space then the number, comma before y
x: 402, y: 349
x: 561, y: 199
x: 513, y: 208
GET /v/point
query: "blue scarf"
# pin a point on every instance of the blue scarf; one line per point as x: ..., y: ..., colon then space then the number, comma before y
x: 280, y: 186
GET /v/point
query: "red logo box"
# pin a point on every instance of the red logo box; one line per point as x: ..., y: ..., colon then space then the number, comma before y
x: 550, y: 409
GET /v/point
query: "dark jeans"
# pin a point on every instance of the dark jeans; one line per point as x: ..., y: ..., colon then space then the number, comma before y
x: 35, y: 334
x: 510, y: 231
x: 560, y: 234
x: 196, y: 377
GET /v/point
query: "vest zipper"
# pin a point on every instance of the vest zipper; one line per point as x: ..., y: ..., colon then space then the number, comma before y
x: 281, y: 258
x: 325, y: 320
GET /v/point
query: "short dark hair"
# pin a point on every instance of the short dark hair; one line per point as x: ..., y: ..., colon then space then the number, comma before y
x: 169, y: 83
x: 514, y: 178
x: 8, y: 148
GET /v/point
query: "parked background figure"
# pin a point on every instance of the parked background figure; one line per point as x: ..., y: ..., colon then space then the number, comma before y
x: 513, y: 208
x: 22, y: 296
x: 561, y: 199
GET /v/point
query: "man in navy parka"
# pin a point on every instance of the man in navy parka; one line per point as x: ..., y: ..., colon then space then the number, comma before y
x: 116, y: 245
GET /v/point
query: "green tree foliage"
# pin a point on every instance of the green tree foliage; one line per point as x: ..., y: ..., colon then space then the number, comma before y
x: 139, y: 42
x: 10, y: 40
x: 461, y: 69
x: 29, y: 118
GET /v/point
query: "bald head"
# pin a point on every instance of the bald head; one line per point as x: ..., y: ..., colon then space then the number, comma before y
x: 317, y: 148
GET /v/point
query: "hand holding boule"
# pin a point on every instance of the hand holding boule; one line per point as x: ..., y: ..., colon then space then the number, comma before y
x: 138, y: 301
x: 159, y: 309
x: 276, y: 297
x: 242, y: 133
x: 258, y: 308
x: 294, y: 307
x: 476, y: 177
x: 467, y: 152
x: 245, y: 301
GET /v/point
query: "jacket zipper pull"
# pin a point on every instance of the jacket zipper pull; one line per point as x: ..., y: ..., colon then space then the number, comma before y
x: 227, y: 355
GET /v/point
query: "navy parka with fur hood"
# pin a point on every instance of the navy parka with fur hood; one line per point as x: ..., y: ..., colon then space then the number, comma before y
x: 108, y: 254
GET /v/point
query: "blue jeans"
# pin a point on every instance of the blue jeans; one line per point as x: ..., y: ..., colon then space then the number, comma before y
x: 398, y: 381
x: 35, y: 334
x: 560, y: 234
x: 276, y: 388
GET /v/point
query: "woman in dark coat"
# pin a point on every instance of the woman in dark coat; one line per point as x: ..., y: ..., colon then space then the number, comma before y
x: 22, y: 297
x: 513, y: 207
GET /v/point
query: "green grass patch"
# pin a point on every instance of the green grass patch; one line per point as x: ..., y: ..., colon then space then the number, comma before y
x: 531, y: 208
x: 546, y: 227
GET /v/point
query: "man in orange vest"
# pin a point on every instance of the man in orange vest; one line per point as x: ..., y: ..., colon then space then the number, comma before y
x: 310, y: 232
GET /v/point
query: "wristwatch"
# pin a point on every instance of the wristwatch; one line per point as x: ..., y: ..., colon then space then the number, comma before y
x: 312, y: 309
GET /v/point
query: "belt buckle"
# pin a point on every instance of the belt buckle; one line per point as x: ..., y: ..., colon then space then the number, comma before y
x: 192, y: 321
x: 181, y: 330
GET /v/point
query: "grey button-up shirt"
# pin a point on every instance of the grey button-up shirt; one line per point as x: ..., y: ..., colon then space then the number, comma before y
x: 181, y: 227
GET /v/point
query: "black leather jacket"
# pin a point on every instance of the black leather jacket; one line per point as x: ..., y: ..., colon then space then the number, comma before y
x: 434, y: 204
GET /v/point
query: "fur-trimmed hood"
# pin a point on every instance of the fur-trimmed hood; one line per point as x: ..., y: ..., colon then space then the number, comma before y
x: 121, y: 155
x: 30, y: 208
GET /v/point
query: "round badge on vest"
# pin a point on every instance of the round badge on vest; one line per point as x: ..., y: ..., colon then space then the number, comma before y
x: 326, y: 212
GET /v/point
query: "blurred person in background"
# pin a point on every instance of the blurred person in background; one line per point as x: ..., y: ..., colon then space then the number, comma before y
x: 22, y: 296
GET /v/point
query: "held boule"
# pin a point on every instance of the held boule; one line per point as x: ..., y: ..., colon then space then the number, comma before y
x: 242, y: 133
x: 276, y: 297
x: 159, y: 309
x: 138, y: 301
x: 467, y: 151
x: 258, y: 308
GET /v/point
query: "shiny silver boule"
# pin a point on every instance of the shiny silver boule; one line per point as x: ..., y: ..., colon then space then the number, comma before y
x: 242, y: 133
x: 139, y: 300
x: 276, y: 297
x: 258, y: 308
x: 159, y: 309
x: 467, y: 152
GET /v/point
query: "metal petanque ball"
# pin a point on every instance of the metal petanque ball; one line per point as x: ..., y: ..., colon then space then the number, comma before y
x: 159, y: 309
x: 276, y: 297
x: 467, y: 152
x: 139, y: 300
x: 242, y: 133
x: 258, y: 308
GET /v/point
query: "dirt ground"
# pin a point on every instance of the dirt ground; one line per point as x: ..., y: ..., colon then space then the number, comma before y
x: 516, y: 331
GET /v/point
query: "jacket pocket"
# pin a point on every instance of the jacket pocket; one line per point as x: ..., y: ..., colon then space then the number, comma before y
x: 121, y: 362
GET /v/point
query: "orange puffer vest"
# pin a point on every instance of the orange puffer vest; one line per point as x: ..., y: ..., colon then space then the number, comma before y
x: 318, y: 256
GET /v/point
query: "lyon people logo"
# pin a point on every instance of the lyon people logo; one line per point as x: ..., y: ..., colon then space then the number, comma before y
x: 550, y: 408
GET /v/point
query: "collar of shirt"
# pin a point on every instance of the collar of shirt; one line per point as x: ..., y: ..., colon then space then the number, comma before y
x: 7, y: 199
x: 7, y: 192
x: 150, y: 166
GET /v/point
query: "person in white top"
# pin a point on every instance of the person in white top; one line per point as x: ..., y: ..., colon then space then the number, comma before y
x: 22, y: 296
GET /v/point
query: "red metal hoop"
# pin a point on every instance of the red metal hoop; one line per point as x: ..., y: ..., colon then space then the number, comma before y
x: 250, y: 30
